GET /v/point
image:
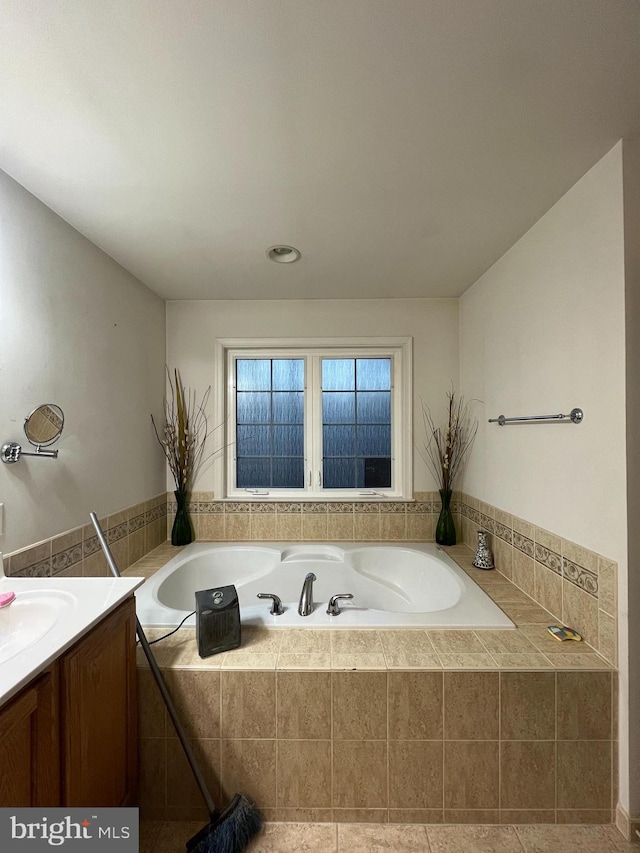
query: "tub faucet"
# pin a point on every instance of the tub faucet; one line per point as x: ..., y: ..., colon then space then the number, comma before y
x: 305, y: 608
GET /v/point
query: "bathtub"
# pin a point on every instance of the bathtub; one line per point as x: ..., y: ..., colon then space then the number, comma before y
x: 393, y: 586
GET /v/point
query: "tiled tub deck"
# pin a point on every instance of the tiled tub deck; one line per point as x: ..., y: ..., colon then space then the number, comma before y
x: 399, y: 726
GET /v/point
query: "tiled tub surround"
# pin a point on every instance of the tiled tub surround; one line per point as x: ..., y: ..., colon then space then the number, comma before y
x: 131, y: 533
x: 574, y: 584
x: 400, y: 726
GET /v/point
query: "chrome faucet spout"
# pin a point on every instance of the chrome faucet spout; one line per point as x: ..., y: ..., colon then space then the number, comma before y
x: 305, y: 608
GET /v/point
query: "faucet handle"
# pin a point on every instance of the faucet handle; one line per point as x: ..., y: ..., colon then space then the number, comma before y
x: 333, y: 609
x: 276, y: 604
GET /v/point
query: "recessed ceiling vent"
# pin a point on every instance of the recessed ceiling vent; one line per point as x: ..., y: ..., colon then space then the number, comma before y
x: 283, y: 254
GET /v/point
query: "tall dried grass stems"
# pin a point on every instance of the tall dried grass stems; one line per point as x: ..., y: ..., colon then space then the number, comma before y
x: 446, y: 450
x: 185, y: 431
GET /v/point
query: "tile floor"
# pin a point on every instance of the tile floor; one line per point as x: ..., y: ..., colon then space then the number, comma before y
x: 170, y: 837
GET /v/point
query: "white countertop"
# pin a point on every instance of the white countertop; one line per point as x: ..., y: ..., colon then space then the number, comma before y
x: 72, y: 605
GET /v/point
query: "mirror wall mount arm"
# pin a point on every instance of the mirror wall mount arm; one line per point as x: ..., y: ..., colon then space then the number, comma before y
x: 576, y: 416
x: 12, y: 451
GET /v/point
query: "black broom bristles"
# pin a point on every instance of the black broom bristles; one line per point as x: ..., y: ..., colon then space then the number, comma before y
x: 230, y: 832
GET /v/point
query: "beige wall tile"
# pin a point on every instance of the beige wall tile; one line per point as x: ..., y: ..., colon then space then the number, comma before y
x: 523, y: 527
x: 420, y: 527
x: 607, y: 586
x: 181, y: 787
x: 467, y: 661
x: 152, y: 768
x: 304, y: 773
x: 237, y: 526
x: 306, y: 661
x: 314, y: 526
x: 580, y: 611
x: 515, y: 816
x: 476, y: 816
x: 584, y: 705
x: 360, y: 774
x: 527, y: 774
x: 527, y: 614
x: 588, y: 816
x: 360, y: 816
x: 582, y: 556
x: 32, y: 562
x: 366, y: 526
x: 249, y: 766
x: 415, y: 705
x: 95, y: 566
x: 210, y: 526
x: 263, y: 526
x: 548, y: 540
x: 415, y: 774
x: 303, y: 705
x: 196, y: 695
x: 584, y: 774
x: 340, y: 526
x: 503, y: 556
x: 471, y: 705
x: 471, y: 774
x: 416, y: 816
x: 548, y: 589
x: 136, y: 545
x: 305, y: 816
x: 505, y: 642
x: 393, y: 526
x: 523, y: 572
x: 527, y: 705
x: 607, y: 637
x: 303, y: 640
x: 248, y: 704
x: 151, y: 710
x: 289, y: 525
x: 355, y: 642
x: 359, y: 705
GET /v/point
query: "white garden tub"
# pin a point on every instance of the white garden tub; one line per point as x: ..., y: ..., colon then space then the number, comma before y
x: 412, y: 585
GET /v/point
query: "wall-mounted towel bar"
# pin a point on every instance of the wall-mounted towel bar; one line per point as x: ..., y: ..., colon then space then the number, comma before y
x: 575, y: 416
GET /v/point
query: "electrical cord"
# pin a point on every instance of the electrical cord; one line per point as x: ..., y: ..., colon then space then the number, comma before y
x: 164, y: 637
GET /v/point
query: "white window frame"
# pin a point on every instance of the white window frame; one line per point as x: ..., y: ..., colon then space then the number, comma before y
x: 227, y: 350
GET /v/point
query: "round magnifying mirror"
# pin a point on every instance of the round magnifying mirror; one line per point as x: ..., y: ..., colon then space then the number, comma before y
x: 44, y: 425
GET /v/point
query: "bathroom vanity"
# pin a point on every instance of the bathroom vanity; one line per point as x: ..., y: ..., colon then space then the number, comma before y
x: 69, y: 723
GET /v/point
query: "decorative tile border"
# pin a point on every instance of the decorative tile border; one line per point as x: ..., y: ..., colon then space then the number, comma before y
x: 136, y: 531
x: 582, y: 596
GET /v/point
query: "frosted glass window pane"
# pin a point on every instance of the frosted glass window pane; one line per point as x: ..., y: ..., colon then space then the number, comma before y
x: 373, y: 374
x: 374, y: 407
x: 253, y: 473
x: 288, y: 441
x: 338, y: 440
x: 288, y: 374
x: 288, y: 407
x: 338, y: 374
x: 253, y: 407
x: 338, y: 407
x: 253, y: 374
x: 339, y: 473
x: 374, y: 441
x: 288, y: 473
x: 253, y: 441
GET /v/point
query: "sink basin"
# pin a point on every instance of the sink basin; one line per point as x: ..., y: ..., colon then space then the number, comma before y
x: 29, y: 617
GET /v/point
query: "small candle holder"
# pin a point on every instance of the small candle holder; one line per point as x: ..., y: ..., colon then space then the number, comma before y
x: 483, y: 558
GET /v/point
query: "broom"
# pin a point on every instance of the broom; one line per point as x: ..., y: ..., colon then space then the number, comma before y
x: 231, y: 830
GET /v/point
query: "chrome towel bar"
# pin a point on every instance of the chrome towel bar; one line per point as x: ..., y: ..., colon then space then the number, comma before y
x: 575, y: 416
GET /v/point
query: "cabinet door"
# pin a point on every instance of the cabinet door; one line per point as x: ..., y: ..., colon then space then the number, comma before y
x: 29, y: 748
x: 98, y: 685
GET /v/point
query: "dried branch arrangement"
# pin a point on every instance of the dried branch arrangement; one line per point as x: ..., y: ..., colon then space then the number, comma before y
x: 446, y: 450
x: 185, y: 431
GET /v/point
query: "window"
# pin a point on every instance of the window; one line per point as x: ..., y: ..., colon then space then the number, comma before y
x: 309, y: 421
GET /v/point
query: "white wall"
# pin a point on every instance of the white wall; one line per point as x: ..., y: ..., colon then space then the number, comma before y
x: 192, y: 328
x: 541, y: 332
x: 78, y: 330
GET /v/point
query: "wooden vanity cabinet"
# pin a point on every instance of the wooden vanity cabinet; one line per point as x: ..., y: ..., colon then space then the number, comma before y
x: 30, y: 745
x: 99, y: 714
x: 70, y: 737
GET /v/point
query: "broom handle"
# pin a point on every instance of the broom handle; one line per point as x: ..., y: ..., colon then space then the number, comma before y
x: 157, y: 674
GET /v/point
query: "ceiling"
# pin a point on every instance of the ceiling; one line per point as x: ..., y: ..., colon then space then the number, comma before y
x: 401, y: 145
